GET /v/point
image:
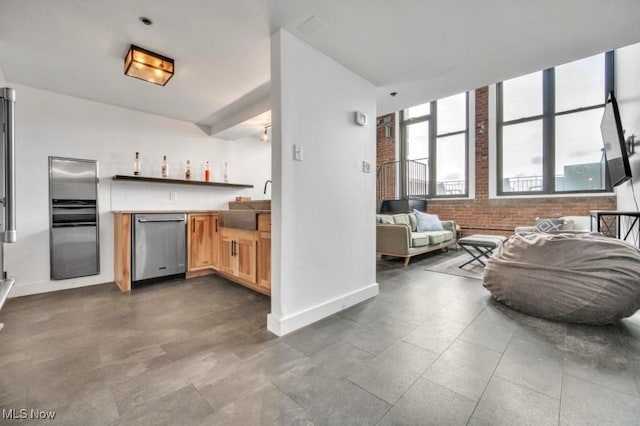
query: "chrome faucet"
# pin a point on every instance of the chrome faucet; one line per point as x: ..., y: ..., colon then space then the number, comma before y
x: 265, y: 185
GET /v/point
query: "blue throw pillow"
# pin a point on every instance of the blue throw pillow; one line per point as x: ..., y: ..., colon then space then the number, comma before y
x: 428, y: 222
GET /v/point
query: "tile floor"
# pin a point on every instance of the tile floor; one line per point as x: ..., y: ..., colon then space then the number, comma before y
x: 432, y: 348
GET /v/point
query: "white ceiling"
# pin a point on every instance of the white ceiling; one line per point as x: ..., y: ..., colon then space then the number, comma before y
x: 421, y: 49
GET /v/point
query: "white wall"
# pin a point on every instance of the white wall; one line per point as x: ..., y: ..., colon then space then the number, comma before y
x: 628, y: 97
x: 322, y: 209
x: 51, y: 124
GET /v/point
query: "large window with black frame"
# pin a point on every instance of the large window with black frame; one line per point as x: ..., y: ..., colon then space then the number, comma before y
x: 548, y: 129
x: 435, y: 140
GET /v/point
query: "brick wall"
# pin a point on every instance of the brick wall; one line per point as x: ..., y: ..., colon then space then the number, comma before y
x: 385, y: 153
x: 501, y: 216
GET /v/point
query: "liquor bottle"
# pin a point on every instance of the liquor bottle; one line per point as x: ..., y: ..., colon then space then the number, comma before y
x: 207, y: 172
x: 136, y: 165
x: 187, y: 173
x: 226, y: 175
x: 165, y: 167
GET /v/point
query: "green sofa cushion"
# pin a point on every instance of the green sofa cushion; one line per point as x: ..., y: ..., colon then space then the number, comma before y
x: 402, y: 219
x: 420, y: 239
x: 384, y: 218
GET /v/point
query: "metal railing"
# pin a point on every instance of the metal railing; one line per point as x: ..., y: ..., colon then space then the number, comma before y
x: 522, y: 184
x: 415, y: 180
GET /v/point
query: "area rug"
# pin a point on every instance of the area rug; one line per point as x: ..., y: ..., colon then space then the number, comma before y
x: 447, y: 263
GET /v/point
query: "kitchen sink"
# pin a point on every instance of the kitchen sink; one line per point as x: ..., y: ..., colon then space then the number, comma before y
x: 250, y: 205
x: 242, y: 219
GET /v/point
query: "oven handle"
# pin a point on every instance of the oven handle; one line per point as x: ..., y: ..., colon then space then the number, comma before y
x: 74, y: 225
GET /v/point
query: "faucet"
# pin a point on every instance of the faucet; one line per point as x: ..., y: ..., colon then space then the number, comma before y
x: 265, y: 185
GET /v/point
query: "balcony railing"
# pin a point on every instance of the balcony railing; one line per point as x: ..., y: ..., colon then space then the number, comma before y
x: 415, y: 180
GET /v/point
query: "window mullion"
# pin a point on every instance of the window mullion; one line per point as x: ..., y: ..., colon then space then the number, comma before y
x: 433, y: 131
x: 499, y: 126
x: 402, y: 188
x: 548, y: 131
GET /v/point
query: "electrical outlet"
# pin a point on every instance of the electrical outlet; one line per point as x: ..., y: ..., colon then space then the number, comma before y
x: 366, y: 167
x: 173, y: 195
x: 297, y: 152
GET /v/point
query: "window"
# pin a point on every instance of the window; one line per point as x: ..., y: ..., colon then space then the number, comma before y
x: 434, y: 151
x: 549, y: 137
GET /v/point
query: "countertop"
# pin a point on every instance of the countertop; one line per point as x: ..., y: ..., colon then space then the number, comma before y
x: 186, y: 211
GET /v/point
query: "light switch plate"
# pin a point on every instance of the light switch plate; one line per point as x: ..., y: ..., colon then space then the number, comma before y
x: 297, y: 152
x: 366, y: 167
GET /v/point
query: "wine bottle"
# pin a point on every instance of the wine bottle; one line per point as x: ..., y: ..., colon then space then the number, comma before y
x: 187, y: 173
x: 136, y: 165
x: 207, y: 172
x: 165, y: 167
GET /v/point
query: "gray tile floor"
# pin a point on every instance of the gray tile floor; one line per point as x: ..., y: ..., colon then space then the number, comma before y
x: 432, y: 348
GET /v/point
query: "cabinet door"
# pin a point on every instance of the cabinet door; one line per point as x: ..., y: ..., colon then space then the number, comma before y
x: 227, y: 261
x: 246, y: 259
x: 215, y: 242
x: 264, y: 260
x: 200, y: 241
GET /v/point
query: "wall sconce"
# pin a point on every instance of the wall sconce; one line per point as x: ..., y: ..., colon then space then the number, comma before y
x: 148, y: 66
x: 386, y: 122
x: 265, y: 134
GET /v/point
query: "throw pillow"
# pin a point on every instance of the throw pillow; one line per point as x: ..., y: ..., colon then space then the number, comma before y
x: 549, y: 225
x: 427, y: 222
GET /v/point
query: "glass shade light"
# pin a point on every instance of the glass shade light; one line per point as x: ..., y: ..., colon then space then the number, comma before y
x: 148, y: 66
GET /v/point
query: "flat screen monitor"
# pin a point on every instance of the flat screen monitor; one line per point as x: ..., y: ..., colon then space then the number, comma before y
x: 615, y: 149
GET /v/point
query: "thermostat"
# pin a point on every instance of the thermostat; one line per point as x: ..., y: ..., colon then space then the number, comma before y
x: 361, y: 118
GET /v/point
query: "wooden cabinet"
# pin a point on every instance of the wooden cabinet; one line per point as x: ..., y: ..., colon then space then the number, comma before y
x: 243, y: 256
x: 238, y: 250
x: 203, y: 241
x: 264, y: 252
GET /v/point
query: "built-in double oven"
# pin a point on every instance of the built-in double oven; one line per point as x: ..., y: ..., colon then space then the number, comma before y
x: 74, y: 219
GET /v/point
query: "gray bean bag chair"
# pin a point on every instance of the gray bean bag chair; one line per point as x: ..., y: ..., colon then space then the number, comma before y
x: 583, y: 278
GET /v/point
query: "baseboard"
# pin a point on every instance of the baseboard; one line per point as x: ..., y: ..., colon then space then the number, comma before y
x: 281, y: 326
x: 49, y: 286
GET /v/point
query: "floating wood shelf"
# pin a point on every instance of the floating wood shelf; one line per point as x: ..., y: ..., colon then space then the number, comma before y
x: 180, y: 181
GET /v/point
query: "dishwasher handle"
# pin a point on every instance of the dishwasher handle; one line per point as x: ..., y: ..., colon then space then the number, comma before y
x: 176, y: 219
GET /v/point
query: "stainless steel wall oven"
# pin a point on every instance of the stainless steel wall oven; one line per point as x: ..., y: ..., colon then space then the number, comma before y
x: 74, y: 231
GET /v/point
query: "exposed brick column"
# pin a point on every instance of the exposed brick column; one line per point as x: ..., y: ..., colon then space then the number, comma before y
x: 385, y: 152
x: 480, y: 128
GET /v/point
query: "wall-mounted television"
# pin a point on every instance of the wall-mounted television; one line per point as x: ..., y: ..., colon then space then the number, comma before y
x: 615, y: 149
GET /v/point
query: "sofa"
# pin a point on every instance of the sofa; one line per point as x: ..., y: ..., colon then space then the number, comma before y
x: 397, y: 235
x: 560, y: 224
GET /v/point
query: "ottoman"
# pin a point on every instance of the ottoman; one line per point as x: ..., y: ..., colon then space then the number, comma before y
x: 482, y: 245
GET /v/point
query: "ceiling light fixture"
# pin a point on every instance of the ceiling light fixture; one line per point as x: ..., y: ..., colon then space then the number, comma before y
x: 265, y: 134
x: 148, y: 66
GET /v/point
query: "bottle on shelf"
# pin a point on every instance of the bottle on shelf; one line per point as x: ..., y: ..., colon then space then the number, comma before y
x: 187, y: 173
x: 165, y: 167
x: 136, y: 165
x: 225, y: 173
x: 207, y: 172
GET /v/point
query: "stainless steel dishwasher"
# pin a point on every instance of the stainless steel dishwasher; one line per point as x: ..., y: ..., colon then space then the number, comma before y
x: 159, y: 245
